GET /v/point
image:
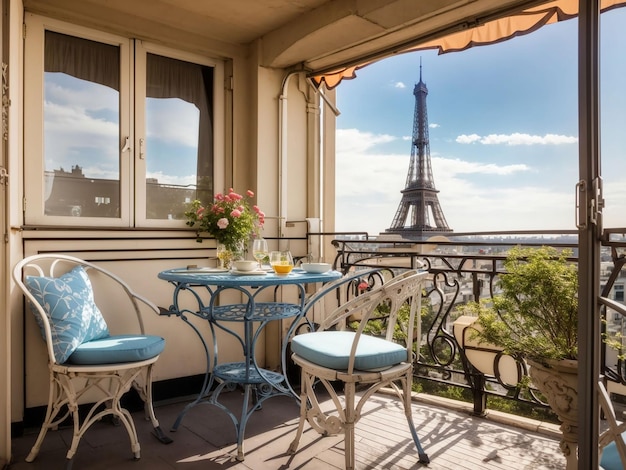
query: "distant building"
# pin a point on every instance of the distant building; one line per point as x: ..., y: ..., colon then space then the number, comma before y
x: 70, y: 193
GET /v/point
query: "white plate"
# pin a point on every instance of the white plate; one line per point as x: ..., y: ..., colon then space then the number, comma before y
x: 203, y: 270
x: 234, y: 272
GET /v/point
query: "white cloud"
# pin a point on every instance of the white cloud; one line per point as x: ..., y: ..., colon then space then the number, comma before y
x: 74, y: 137
x: 355, y: 141
x: 470, y: 207
x: 517, y: 139
x: 461, y: 167
x: 75, y: 121
x: 173, y: 121
x: 87, y: 96
x: 406, y: 137
x: 369, y: 188
x: 399, y: 85
x: 434, y: 125
x: 467, y: 139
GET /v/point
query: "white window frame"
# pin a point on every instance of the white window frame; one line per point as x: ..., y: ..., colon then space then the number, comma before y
x: 142, y: 48
x: 132, y: 175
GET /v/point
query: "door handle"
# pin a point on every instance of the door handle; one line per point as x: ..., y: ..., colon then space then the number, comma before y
x: 126, y: 146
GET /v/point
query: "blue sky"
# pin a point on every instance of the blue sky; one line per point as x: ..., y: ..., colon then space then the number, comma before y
x: 503, y: 132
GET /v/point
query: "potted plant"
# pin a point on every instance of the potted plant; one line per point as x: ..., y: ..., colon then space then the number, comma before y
x: 230, y: 219
x: 534, y: 317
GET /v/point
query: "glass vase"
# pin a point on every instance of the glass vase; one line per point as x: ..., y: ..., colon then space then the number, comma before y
x: 227, y: 254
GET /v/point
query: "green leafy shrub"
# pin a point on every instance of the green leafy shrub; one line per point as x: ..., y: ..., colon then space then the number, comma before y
x: 536, y: 313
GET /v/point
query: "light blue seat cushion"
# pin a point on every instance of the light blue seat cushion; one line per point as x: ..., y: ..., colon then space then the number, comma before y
x: 69, y: 304
x: 610, y: 457
x: 331, y: 349
x: 117, y: 349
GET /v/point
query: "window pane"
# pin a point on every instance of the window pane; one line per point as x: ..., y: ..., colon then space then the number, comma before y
x: 179, y: 138
x: 81, y: 127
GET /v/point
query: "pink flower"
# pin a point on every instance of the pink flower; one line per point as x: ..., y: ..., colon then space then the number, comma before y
x: 363, y: 286
x: 229, y: 215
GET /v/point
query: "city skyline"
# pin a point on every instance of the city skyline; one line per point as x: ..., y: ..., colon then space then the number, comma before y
x: 503, y: 133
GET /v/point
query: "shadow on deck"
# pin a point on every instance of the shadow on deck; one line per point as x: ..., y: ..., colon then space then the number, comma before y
x: 206, y: 440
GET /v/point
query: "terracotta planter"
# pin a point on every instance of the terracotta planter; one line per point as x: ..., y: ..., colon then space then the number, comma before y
x: 558, y: 382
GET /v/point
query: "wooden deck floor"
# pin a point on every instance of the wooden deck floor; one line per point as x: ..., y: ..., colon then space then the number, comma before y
x: 206, y: 440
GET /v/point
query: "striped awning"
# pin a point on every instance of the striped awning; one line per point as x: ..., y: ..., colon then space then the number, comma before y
x: 491, y: 32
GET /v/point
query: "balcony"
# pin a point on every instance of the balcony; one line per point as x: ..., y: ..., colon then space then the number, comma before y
x: 456, y: 434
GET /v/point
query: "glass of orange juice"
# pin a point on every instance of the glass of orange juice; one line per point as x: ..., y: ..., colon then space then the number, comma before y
x: 281, y: 262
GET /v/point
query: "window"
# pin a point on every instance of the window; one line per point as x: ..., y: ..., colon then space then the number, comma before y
x: 105, y: 158
x: 618, y: 290
x: 178, y: 145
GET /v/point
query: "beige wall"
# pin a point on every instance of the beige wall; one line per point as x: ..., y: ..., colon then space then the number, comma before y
x: 10, y: 313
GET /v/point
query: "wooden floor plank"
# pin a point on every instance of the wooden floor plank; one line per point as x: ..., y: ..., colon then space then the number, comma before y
x: 206, y: 440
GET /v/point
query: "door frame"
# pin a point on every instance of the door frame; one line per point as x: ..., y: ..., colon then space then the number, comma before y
x: 589, y: 222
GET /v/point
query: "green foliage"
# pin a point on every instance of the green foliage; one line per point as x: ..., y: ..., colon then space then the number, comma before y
x: 377, y: 325
x: 498, y: 403
x: 536, y: 314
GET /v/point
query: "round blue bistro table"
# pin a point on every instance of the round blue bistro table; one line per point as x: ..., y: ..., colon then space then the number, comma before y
x: 255, y: 316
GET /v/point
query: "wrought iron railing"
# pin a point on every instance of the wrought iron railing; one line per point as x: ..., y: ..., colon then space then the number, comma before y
x: 463, y: 268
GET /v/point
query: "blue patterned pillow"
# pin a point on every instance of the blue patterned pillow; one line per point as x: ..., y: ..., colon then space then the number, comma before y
x: 73, y: 315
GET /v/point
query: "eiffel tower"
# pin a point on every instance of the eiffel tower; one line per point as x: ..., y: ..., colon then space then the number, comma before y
x: 419, y: 214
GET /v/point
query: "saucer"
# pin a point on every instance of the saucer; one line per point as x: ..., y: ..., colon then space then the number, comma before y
x: 256, y: 272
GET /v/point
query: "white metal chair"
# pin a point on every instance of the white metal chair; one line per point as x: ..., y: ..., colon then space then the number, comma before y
x: 335, y: 352
x: 85, y: 362
x: 612, y: 441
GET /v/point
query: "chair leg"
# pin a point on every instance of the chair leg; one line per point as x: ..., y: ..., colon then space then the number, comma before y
x: 349, y: 423
x: 304, y: 388
x: 73, y: 407
x: 117, y: 386
x: 145, y: 393
x: 407, y: 380
x: 55, y: 405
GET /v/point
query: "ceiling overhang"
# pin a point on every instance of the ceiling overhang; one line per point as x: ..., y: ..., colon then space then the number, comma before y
x: 310, y: 34
x: 323, y: 37
x: 497, y: 29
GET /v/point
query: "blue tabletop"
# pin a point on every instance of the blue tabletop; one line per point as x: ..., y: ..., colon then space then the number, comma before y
x: 216, y: 277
